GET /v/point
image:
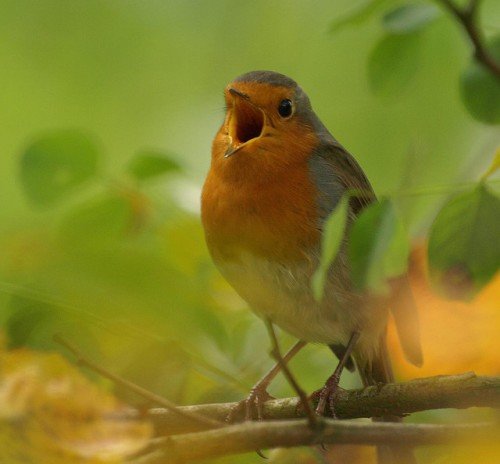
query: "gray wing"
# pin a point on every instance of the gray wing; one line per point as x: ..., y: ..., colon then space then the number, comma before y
x: 335, y: 171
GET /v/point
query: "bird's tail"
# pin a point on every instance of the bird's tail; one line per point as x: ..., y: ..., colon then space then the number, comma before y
x: 380, y: 371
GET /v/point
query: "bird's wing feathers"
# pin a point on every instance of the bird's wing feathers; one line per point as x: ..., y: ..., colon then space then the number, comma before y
x: 335, y: 171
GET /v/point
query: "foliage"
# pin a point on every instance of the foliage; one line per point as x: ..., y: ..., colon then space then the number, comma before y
x: 462, y: 251
x: 463, y: 254
x: 147, y: 164
x: 56, y: 164
x: 378, y: 247
x: 480, y: 90
x: 462, y: 244
x: 406, y: 19
x: 335, y: 229
x: 393, y: 63
x: 394, y: 60
x: 442, y: 322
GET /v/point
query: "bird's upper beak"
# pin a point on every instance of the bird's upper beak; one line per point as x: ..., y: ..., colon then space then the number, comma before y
x: 246, y: 121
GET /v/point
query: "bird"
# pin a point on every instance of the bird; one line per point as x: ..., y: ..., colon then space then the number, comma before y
x: 276, y: 175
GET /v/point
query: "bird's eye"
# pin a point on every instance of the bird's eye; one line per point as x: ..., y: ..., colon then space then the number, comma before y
x: 285, y: 108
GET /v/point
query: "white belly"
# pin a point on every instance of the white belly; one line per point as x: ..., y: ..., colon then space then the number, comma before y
x: 283, y: 295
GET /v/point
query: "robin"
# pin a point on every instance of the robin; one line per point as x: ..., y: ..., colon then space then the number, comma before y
x: 276, y: 174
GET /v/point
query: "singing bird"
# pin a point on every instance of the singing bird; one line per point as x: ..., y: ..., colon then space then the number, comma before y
x: 276, y: 174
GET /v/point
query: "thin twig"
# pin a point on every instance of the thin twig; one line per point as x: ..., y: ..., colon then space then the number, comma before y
x: 276, y: 353
x: 168, y: 405
x: 467, y: 17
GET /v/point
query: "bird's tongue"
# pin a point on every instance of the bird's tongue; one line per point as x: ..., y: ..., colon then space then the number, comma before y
x: 249, y: 122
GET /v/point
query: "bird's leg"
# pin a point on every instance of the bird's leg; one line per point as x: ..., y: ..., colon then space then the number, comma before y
x: 276, y: 353
x: 329, y: 391
x: 258, y: 394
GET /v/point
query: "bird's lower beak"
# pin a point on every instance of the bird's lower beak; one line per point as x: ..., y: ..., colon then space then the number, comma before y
x: 246, y: 122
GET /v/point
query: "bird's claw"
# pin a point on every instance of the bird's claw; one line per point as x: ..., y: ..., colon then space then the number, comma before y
x: 328, y: 395
x: 252, y: 405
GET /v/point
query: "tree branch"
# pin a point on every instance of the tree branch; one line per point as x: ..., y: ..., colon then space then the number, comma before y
x: 454, y: 391
x: 467, y: 17
x: 250, y: 436
x: 179, y: 437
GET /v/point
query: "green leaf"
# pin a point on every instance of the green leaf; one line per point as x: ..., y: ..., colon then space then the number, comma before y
x: 378, y: 247
x: 393, y: 63
x: 148, y: 164
x: 33, y: 323
x: 357, y: 15
x: 56, y: 164
x: 26, y: 319
x: 463, y: 243
x: 331, y: 241
x: 101, y: 221
x: 480, y: 89
x: 410, y: 18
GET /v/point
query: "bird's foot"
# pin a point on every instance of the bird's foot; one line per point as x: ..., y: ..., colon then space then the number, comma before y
x: 327, y: 396
x: 252, y: 405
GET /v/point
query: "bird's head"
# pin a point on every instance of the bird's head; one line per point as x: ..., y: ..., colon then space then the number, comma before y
x: 268, y: 117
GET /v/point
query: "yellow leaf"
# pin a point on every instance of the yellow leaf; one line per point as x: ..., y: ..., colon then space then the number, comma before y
x: 456, y: 336
x: 50, y: 413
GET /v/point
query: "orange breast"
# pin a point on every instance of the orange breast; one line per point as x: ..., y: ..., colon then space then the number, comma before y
x: 262, y: 201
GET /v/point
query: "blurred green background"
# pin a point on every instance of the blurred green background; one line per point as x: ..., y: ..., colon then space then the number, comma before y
x: 119, y: 265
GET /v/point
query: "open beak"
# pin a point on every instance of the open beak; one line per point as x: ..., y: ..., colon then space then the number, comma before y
x: 246, y: 122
